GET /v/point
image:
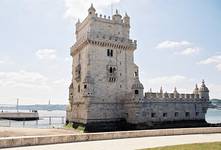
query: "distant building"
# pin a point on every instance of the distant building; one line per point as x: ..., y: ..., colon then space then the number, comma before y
x: 106, y: 94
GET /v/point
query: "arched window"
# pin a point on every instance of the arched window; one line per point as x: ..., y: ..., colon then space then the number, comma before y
x: 136, y: 92
x: 111, y: 70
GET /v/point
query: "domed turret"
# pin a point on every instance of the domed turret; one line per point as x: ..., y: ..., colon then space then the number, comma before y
x: 203, y: 91
x: 92, y: 10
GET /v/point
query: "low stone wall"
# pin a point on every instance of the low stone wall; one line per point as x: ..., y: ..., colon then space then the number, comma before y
x: 19, y: 115
x: 55, y: 139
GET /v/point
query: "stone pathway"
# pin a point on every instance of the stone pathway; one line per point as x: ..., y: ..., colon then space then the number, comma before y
x: 129, y: 144
x: 14, y: 132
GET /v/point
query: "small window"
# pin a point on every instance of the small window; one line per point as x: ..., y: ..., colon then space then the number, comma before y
x: 114, y: 69
x: 153, y: 115
x: 164, y: 114
x: 197, y: 113
x: 85, y: 86
x: 136, y: 92
x: 111, y: 70
x: 187, y: 114
x: 176, y: 114
x: 108, y: 52
x: 120, y: 86
x: 79, y: 88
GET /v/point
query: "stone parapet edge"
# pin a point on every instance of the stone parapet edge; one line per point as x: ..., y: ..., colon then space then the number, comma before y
x: 69, y: 138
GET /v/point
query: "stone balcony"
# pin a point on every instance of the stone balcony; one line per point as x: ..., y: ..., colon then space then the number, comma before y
x: 104, y: 40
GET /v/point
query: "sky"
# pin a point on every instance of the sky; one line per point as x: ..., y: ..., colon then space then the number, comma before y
x: 179, y: 44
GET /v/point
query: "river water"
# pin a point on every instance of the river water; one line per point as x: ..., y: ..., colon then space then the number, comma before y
x: 212, y: 116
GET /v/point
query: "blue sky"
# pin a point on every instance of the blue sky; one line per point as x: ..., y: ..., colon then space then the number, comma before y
x: 178, y: 45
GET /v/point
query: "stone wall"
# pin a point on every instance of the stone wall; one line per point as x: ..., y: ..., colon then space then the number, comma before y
x: 55, y: 139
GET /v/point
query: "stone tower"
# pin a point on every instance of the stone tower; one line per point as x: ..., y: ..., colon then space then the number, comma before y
x: 103, y: 70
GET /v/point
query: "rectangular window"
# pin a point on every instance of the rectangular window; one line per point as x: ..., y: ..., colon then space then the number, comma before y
x: 153, y: 115
x: 111, y: 54
x: 108, y: 52
x: 176, y: 114
x: 85, y: 86
x: 197, y: 113
x: 79, y: 88
x: 187, y: 114
x: 164, y: 114
x: 136, y: 92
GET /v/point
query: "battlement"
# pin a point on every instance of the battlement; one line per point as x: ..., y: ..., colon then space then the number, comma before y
x: 151, y: 96
x: 115, y: 19
x: 115, y: 25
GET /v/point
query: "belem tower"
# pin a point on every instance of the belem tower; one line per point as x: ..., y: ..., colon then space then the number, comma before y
x: 106, y: 94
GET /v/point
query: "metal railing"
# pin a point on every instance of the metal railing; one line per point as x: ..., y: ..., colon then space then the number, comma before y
x: 43, y: 122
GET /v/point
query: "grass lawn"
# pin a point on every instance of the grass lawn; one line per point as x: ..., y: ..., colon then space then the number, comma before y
x: 204, y: 146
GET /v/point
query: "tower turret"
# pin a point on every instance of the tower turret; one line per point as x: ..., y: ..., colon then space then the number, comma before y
x: 126, y: 20
x: 117, y: 17
x: 203, y: 91
x: 92, y: 11
x: 137, y: 87
x: 176, y: 94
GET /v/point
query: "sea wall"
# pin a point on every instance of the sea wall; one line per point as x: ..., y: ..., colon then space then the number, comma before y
x: 55, y: 139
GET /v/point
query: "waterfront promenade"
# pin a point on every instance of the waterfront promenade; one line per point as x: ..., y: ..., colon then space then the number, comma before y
x: 130, y: 143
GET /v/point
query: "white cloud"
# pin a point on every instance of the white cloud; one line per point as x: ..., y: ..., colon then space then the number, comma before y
x: 2, y: 61
x: 181, y: 48
x: 78, y: 8
x: 6, y: 60
x: 46, y: 54
x: 23, y: 79
x: 189, y: 51
x: 215, y: 60
x: 32, y: 87
x: 173, y: 44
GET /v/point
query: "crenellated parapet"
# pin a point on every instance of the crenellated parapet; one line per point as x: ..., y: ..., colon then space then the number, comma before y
x: 201, y: 94
x: 103, y: 40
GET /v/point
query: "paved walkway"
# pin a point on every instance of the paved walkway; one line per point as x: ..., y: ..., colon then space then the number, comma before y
x: 13, y: 132
x: 129, y: 144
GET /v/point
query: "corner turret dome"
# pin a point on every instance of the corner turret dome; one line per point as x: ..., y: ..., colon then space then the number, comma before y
x: 137, y: 85
x: 203, y: 87
x: 91, y: 10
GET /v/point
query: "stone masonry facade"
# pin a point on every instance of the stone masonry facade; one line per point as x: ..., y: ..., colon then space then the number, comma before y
x: 106, y: 93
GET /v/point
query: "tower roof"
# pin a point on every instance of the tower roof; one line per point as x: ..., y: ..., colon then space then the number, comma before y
x: 203, y: 87
x: 92, y: 9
